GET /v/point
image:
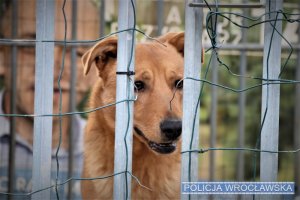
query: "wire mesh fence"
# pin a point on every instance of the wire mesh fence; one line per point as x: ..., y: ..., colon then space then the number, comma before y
x: 218, y: 65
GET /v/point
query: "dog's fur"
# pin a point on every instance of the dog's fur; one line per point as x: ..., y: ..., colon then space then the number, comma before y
x: 159, y: 67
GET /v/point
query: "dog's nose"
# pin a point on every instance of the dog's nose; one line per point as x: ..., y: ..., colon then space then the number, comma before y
x: 171, y: 128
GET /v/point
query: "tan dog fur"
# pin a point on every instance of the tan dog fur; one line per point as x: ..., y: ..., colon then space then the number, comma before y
x: 159, y: 67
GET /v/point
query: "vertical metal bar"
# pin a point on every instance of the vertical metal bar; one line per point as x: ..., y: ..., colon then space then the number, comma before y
x: 297, y: 125
x: 43, y: 98
x: 191, y: 92
x: 214, y: 108
x: 160, y: 16
x: 72, y: 99
x: 213, y: 117
x: 12, y: 128
x: 124, y: 111
x: 270, y: 96
x: 102, y: 18
x: 242, y: 103
x: 240, y: 164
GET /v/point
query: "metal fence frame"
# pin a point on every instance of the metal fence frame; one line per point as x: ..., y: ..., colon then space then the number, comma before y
x: 124, y: 111
x: 44, y: 75
x: 191, y: 93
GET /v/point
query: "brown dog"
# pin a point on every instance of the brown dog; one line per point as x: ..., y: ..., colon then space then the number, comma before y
x: 157, y: 125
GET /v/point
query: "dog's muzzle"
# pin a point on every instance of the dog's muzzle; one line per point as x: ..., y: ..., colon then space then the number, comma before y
x: 171, y: 129
x: 162, y: 148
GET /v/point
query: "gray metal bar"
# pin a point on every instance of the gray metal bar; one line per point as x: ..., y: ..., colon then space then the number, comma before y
x: 240, y: 169
x: 297, y: 125
x: 160, y: 16
x: 102, y: 18
x: 240, y: 47
x: 124, y: 111
x: 270, y: 97
x: 213, y: 121
x: 229, y: 5
x: 20, y: 42
x: 191, y: 92
x: 13, y: 92
x: 72, y: 99
x: 43, y: 99
x: 213, y: 116
x: 242, y: 105
x: 248, y: 47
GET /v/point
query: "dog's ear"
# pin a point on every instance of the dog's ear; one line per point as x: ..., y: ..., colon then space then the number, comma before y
x: 101, y: 53
x: 177, y: 40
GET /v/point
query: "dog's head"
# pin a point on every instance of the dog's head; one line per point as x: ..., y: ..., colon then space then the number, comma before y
x: 158, y: 73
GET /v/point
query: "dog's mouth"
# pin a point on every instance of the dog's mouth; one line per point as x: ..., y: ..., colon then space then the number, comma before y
x: 162, y: 148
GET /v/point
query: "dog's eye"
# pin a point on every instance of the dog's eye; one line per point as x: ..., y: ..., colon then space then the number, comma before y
x: 139, y: 86
x: 179, y: 84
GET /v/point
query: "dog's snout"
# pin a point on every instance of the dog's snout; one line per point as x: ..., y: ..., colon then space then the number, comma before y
x: 171, y: 128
